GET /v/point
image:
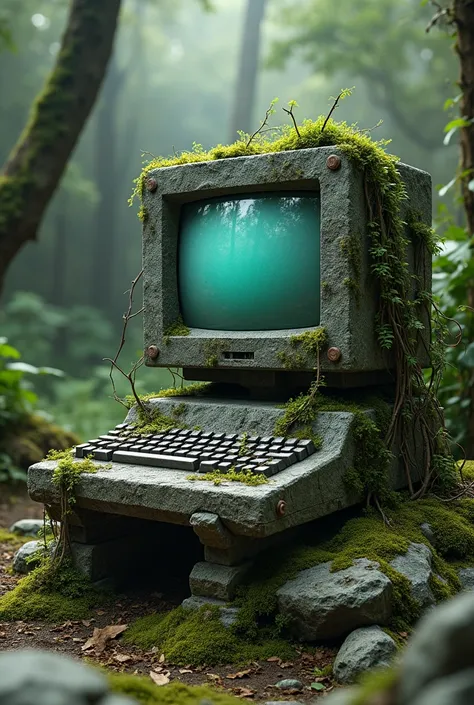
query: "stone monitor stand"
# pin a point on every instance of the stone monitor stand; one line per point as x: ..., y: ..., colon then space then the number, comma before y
x: 233, y: 521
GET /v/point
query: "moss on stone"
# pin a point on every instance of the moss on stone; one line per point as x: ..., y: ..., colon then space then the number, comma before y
x: 374, y: 685
x: 198, y: 637
x: 30, y: 441
x: 246, y: 477
x: 51, y: 593
x: 176, y: 328
x: 147, y: 693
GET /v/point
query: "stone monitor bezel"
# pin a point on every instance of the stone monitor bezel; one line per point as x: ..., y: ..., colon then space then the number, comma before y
x: 347, y: 317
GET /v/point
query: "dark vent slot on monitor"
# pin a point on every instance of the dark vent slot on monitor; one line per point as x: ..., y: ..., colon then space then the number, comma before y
x: 238, y: 355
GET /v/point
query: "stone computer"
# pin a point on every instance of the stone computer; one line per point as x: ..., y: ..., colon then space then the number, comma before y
x: 242, y: 258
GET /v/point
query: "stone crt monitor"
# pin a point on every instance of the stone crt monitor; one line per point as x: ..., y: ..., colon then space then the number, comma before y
x: 252, y: 251
x: 241, y: 256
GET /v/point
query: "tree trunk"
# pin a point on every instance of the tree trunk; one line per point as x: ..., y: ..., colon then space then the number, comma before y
x: 248, y: 68
x: 39, y: 158
x: 104, y: 250
x: 463, y: 18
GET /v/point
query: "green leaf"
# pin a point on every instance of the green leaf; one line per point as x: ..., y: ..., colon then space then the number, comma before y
x: 8, y: 351
x: 471, y: 185
x: 318, y: 686
x: 50, y: 371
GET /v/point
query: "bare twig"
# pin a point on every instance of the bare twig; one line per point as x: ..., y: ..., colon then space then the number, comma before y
x: 293, y: 104
x: 345, y: 92
x: 127, y: 316
x: 270, y: 110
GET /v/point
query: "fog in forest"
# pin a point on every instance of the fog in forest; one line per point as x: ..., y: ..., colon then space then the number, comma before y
x: 177, y: 77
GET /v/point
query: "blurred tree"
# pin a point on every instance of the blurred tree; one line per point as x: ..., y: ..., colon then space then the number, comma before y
x: 383, y: 44
x: 248, y: 69
x: 36, y: 164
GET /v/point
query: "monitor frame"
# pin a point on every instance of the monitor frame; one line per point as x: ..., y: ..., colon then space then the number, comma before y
x: 348, y: 319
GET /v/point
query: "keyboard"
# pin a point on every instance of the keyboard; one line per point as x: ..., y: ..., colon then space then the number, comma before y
x: 197, y: 451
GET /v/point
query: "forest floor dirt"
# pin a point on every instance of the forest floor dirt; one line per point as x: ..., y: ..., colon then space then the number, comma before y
x: 255, y: 682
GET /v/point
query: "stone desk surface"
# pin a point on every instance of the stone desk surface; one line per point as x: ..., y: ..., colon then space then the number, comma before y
x: 310, y: 489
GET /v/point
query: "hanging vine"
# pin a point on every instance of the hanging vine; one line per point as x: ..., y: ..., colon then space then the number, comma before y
x: 401, y: 318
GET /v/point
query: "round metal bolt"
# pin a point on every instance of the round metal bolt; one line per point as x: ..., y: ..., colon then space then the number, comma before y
x: 151, y: 184
x: 281, y: 507
x: 152, y: 352
x: 333, y: 162
x: 334, y: 354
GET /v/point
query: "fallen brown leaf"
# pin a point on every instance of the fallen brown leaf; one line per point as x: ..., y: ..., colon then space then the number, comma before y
x: 185, y: 670
x: 287, y: 664
x: 159, y: 678
x: 100, y: 637
x: 213, y: 676
x: 240, y: 674
x: 243, y: 692
x: 161, y: 659
x: 274, y: 659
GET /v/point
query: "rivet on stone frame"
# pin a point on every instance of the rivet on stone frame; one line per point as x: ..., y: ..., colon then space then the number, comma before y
x: 333, y: 162
x: 151, y: 185
x: 334, y: 354
x: 152, y: 352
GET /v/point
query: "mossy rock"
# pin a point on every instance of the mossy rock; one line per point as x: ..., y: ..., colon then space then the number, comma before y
x: 30, y: 440
x: 52, y: 594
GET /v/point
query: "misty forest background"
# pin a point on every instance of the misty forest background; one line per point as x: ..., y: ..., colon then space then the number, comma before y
x: 177, y: 77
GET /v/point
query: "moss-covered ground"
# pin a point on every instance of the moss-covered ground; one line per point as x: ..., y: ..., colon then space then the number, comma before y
x: 146, y: 693
x: 197, y: 637
x: 51, y: 595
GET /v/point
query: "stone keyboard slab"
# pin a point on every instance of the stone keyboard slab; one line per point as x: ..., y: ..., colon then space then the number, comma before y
x: 197, y: 451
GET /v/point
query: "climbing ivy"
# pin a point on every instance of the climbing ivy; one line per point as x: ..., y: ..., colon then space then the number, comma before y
x: 401, y: 317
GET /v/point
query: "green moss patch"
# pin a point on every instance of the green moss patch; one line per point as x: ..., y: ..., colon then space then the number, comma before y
x: 246, y: 477
x: 197, y: 637
x: 146, y: 693
x: 52, y: 594
x: 13, y: 539
x: 176, y: 328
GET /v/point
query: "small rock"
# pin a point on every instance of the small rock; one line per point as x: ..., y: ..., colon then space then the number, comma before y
x: 442, y: 645
x: 227, y: 615
x: 27, y: 527
x: 428, y: 532
x: 325, y: 605
x: 466, y: 577
x: 289, y: 684
x: 364, y: 649
x: 416, y: 566
x: 20, y: 562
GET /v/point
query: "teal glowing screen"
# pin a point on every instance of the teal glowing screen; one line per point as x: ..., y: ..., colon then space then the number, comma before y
x: 250, y: 262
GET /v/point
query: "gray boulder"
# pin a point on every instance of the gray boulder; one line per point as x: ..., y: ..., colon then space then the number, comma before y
x: 45, y: 678
x: 466, y: 577
x: 20, y: 559
x: 364, y: 649
x: 442, y: 646
x: 416, y: 566
x: 27, y: 527
x: 325, y: 605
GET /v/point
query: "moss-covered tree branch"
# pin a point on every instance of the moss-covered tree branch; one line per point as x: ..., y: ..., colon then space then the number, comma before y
x: 37, y: 162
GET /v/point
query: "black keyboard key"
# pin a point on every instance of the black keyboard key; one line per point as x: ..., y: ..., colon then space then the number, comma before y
x: 103, y: 454
x: 301, y: 452
x: 308, y: 444
x: 208, y: 465
x: 174, y: 462
x: 83, y: 449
